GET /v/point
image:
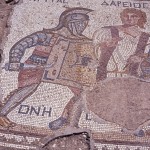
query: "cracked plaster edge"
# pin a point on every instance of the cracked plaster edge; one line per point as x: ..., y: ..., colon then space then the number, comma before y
x: 6, y: 32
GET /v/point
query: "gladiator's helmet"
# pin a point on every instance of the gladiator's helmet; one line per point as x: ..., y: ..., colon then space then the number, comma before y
x: 74, y: 19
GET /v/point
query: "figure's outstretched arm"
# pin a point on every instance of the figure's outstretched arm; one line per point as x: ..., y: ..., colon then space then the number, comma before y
x: 18, y: 50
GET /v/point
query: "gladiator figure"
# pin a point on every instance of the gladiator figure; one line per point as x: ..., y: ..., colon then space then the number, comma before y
x: 62, y: 55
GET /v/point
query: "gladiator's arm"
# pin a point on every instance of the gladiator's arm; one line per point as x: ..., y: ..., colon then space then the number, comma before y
x: 18, y: 50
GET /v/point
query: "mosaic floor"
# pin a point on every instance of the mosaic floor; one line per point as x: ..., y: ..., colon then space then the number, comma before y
x: 75, y: 75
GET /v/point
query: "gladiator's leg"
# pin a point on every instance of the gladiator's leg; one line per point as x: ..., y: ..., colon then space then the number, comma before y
x: 72, y: 123
x: 68, y: 116
x: 13, y: 101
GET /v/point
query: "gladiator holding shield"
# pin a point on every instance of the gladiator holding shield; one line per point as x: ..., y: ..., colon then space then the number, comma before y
x: 62, y: 55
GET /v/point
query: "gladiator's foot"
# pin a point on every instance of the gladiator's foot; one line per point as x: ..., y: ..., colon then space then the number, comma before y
x: 139, y: 133
x: 5, y: 122
x: 58, y: 123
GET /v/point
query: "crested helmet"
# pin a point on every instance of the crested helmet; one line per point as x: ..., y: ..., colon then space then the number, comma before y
x: 71, y: 14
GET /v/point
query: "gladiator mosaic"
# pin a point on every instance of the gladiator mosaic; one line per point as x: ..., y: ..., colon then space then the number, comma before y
x: 76, y: 75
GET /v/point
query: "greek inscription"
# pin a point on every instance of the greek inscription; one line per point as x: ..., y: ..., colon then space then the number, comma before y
x: 32, y: 110
x: 52, y: 1
x: 125, y: 4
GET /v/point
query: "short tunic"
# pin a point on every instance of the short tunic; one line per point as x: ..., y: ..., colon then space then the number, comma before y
x: 124, y: 49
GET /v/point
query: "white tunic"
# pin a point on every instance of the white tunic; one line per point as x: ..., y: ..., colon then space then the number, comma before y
x: 124, y: 49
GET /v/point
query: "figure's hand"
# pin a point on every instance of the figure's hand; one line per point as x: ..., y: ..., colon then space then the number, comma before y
x: 135, y: 59
x: 110, y: 42
x: 12, y: 66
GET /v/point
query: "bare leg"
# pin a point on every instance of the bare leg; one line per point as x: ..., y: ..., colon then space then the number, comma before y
x: 13, y: 101
x: 71, y: 108
x: 71, y: 114
x: 71, y: 128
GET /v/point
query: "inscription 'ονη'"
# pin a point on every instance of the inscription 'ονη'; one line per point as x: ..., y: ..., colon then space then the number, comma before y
x: 32, y: 110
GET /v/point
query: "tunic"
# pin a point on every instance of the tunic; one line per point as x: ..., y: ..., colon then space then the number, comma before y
x: 114, y: 59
